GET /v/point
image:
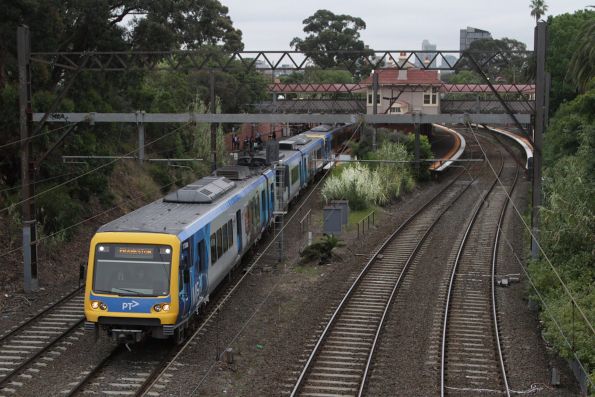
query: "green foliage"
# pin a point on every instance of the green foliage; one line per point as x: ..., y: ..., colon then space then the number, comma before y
x: 358, y: 184
x: 538, y: 8
x: 396, y: 177
x: 319, y: 76
x: 335, y: 34
x: 571, y: 120
x: 564, y: 32
x: 465, y: 77
x: 568, y: 231
x: 321, y: 250
x: 582, y: 65
x: 510, y: 65
x: 57, y: 210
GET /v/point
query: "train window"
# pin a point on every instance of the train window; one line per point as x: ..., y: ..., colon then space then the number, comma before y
x: 295, y: 174
x: 263, y: 201
x: 219, y: 243
x: 230, y: 234
x: 224, y: 240
x: 213, y: 248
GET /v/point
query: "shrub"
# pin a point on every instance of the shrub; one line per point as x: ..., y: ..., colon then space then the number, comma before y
x: 321, y: 250
x: 358, y: 184
x: 58, y: 210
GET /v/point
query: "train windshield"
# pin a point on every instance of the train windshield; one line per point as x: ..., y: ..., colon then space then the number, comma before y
x: 132, y: 269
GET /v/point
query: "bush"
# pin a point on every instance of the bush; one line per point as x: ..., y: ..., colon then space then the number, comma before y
x: 321, y: 250
x: 396, y: 177
x: 358, y: 184
x: 57, y: 210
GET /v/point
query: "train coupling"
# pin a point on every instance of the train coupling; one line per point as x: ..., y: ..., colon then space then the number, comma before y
x: 127, y: 335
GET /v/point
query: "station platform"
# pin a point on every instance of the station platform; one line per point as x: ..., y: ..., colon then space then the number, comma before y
x: 448, y: 145
x: 519, y: 139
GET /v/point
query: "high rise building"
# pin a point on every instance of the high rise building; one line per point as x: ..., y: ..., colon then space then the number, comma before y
x: 426, y: 57
x: 470, y: 35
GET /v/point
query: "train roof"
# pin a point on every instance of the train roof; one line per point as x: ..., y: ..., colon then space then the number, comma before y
x: 184, y: 218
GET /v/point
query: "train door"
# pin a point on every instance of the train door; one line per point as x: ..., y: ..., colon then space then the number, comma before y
x: 263, y: 208
x: 303, y: 175
x: 239, y: 229
x: 272, y: 206
x: 184, y: 279
x: 202, y: 267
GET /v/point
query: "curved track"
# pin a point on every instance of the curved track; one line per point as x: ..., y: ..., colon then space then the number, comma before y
x: 341, y: 359
x: 471, y: 354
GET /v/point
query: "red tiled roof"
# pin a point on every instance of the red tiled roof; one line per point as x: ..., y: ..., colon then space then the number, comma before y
x: 414, y: 76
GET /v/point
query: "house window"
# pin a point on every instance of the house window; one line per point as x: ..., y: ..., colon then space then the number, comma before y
x: 430, y: 96
x: 395, y: 109
x: 370, y: 99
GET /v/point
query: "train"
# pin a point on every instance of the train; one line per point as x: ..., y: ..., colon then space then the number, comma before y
x: 151, y: 272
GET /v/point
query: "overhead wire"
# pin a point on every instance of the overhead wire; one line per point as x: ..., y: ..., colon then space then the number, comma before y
x: 89, y: 218
x: 239, y: 282
x: 35, y: 136
x: 566, y: 288
x: 94, y: 169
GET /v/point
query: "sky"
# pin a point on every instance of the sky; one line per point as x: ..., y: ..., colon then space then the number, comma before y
x: 392, y: 24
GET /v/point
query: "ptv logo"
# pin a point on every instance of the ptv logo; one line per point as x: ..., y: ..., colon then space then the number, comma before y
x: 129, y: 305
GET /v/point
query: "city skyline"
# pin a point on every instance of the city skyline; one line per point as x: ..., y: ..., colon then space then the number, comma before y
x: 405, y: 31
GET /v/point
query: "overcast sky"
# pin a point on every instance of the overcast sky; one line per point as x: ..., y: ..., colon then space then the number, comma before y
x: 392, y: 25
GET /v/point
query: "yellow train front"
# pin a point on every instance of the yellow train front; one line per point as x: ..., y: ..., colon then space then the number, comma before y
x: 129, y: 288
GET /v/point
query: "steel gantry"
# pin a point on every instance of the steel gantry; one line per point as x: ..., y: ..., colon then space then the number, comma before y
x: 208, y: 60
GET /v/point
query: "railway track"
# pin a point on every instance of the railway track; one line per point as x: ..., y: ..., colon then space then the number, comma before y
x: 341, y: 359
x: 471, y: 358
x: 23, y: 347
x: 147, y: 370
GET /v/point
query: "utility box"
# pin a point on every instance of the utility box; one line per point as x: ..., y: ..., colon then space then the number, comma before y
x: 333, y: 220
x: 344, y: 206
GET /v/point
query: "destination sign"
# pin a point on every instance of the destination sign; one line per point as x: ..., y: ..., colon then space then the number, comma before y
x: 134, y: 252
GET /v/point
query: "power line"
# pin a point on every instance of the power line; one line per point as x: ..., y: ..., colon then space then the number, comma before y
x: 89, y: 219
x: 566, y: 288
x: 34, y: 136
x: 93, y: 170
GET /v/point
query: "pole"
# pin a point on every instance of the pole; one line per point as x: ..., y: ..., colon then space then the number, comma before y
x: 140, y: 118
x: 540, y: 121
x: 213, y: 110
x: 374, y: 106
x: 416, y: 147
x: 31, y: 282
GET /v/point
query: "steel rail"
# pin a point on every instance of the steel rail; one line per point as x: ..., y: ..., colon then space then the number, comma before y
x: 81, y: 383
x: 494, y: 262
x: 481, y: 201
x: 397, y: 285
x: 9, y: 376
x: 22, y: 325
x: 358, y: 279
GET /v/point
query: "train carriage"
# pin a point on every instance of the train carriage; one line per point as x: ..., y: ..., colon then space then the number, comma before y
x: 151, y: 271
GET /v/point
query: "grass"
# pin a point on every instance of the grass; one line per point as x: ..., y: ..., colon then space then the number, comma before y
x: 357, y: 216
x: 309, y: 271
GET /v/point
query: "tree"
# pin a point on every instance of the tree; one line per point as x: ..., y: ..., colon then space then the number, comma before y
x: 334, y: 41
x: 582, y: 65
x: 191, y: 24
x: 501, y: 59
x: 563, y: 42
x: 538, y: 8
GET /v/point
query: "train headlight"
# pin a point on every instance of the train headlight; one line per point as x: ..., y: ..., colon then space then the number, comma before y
x: 165, y: 307
x: 94, y: 305
x: 157, y: 308
x: 102, y: 306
